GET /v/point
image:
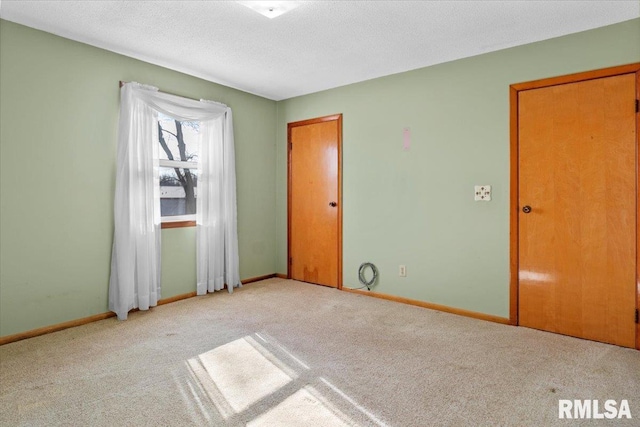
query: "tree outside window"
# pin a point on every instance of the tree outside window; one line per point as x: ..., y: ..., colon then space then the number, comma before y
x: 178, y: 168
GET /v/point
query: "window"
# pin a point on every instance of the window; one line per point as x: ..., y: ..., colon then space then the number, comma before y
x: 178, y: 171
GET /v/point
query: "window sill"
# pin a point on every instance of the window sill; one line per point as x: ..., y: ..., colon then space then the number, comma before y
x: 178, y: 224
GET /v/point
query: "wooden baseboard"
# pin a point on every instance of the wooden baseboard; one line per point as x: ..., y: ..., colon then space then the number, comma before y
x: 259, y: 278
x: 282, y: 276
x: 432, y: 306
x: 54, y: 328
x: 174, y: 298
x: 83, y: 321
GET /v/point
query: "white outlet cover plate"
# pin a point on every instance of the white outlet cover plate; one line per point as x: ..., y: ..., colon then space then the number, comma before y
x: 482, y: 193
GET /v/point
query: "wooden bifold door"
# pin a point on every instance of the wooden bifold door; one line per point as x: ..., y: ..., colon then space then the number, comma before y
x: 576, y: 206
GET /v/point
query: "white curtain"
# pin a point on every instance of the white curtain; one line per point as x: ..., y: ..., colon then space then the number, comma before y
x: 217, y: 232
x: 135, y: 261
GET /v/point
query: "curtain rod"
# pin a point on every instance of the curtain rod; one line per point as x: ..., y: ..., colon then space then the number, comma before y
x: 168, y: 93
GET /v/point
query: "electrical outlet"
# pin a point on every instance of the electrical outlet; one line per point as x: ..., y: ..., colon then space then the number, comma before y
x: 482, y: 193
x: 402, y: 271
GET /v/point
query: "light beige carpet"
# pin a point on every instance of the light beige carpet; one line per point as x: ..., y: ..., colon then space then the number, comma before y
x: 286, y: 353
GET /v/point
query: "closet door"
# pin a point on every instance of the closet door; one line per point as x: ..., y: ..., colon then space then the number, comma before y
x: 577, y: 209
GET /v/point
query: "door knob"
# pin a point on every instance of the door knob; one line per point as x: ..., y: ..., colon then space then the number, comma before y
x: 333, y: 204
x: 526, y: 209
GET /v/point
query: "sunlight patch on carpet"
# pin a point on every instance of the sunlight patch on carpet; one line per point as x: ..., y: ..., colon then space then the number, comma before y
x: 258, y: 381
x: 270, y: 340
x: 242, y: 375
x: 302, y: 409
x: 355, y: 404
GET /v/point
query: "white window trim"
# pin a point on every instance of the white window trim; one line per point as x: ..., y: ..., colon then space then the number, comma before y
x: 178, y: 218
x: 178, y: 164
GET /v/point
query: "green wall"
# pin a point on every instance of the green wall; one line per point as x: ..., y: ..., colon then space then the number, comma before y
x: 416, y: 207
x: 58, y: 123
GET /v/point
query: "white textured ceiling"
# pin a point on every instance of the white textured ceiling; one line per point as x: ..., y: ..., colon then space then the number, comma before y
x: 319, y: 45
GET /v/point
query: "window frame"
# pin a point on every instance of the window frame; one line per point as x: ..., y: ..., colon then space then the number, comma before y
x: 177, y: 221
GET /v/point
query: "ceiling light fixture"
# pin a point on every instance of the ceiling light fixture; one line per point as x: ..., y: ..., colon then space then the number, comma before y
x: 271, y: 9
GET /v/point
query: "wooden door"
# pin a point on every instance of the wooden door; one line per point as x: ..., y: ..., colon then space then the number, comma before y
x: 315, y: 205
x: 577, y: 189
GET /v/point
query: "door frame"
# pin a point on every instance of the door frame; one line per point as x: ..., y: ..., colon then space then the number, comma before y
x: 514, y: 209
x: 290, y: 126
